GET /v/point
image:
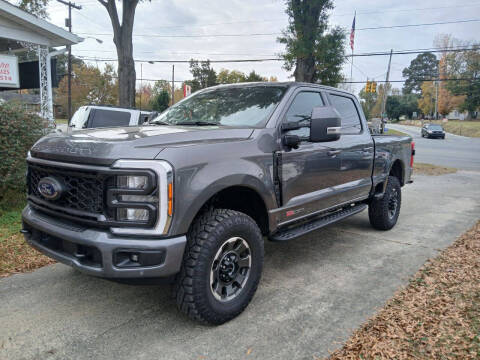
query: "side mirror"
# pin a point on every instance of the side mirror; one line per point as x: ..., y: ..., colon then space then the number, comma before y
x: 291, y: 141
x: 325, y: 124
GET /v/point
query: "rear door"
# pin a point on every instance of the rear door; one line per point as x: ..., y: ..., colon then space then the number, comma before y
x: 356, y: 157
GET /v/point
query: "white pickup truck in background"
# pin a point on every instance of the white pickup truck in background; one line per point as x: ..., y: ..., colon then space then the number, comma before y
x: 95, y: 116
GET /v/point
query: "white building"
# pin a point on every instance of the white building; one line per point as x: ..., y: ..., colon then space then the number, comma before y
x: 21, y: 32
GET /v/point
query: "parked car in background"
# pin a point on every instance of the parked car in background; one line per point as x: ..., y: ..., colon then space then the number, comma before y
x: 96, y: 116
x: 433, y: 131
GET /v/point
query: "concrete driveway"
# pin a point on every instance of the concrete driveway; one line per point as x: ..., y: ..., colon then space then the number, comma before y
x: 314, y: 291
x: 455, y: 151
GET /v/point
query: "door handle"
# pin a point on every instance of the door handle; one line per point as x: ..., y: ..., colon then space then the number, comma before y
x: 368, y: 149
x: 333, y: 152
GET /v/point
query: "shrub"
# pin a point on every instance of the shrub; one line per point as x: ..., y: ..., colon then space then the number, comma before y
x: 19, y: 130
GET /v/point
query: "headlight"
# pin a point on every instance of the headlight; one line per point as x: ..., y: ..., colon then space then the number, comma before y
x: 143, y: 199
x: 132, y: 182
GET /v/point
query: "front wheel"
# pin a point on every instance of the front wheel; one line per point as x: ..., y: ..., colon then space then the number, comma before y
x: 221, y: 267
x: 383, y: 213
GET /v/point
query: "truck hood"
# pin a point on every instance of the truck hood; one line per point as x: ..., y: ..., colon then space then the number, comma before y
x: 104, y: 146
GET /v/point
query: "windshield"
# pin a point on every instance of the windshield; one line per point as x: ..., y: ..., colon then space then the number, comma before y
x: 435, y: 127
x: 249, y: 106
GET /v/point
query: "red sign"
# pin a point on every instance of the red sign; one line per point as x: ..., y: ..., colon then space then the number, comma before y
x: 187, y: 90
x: 9, y: 71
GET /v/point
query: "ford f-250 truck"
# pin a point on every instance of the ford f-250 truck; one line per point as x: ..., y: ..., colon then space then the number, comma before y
x: 194, y: 193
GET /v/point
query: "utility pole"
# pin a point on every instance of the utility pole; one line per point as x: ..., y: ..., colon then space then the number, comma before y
x: 68, y: 23
x: 173, y: 84
x: 385, y: 88
x: 141, y: 84
x: 436, y: 99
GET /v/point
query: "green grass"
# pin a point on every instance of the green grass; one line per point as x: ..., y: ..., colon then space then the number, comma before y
x: 61, y: 121
x: 10, y: 223
x: 395, y: 132
x: 458, y: 127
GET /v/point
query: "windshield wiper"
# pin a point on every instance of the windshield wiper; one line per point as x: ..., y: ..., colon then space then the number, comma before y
x: 197, y: 123
x: 158, y: 123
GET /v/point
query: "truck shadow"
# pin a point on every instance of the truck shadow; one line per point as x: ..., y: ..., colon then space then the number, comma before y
x: 288, y: 265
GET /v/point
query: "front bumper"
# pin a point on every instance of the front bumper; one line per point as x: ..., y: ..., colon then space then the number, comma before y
x: 98, y: 252
x: 440, y: 135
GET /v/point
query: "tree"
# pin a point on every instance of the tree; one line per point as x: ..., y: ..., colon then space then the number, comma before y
x: 230, y: 77
x: 316, y: 55
x: 367, y: 100
x: 253, y: 76
x: 89, y: 86
x: 203, y: 75
x: 62, y: 64
x: 468, y: 70
x: 161, y: 85
x: 393, y: 107
x: 377, y: 108
x: 35, y: 7
x: 235, y: 76
x: 122, y: 37
x: 143, y: 97
x: 427, y: 101
x: 160, y: 101
x: 424, y: 66
x: 409, y: 104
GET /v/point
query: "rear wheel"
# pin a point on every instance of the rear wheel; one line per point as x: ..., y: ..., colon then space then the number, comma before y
x: 221, y: 268
x: 383, y: 213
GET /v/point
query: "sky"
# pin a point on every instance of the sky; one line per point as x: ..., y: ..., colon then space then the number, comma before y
x: 163, y: 21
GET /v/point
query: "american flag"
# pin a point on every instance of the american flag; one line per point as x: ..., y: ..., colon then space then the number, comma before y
x: 352, y: 33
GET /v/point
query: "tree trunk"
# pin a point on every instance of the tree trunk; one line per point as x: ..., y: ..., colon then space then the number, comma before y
x: 126, y: 73
x: 122, y: 37
x: 305, y: 70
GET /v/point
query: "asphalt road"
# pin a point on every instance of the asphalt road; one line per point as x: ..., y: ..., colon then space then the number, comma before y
x: 455, y: 151
x: 314, y: 292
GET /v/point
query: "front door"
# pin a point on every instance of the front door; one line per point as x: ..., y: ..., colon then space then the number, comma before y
x: 309, y: 172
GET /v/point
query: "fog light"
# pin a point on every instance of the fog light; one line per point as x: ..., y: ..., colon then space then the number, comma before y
x: 134, y: 257
x: 125, y: 214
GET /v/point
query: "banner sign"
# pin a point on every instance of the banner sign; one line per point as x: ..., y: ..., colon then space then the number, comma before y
x: 187, y: 90
x: 9, y: 77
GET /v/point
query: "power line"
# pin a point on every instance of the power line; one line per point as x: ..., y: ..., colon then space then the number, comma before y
x: 417, y: 25
x: 279, y: 33
x: 280, y: 59
x: 187, y: 36
x: 333, y: 15
x: 417, y: 79
x: 464, y: 47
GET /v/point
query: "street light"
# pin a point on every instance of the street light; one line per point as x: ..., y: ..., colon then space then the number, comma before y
x: 94, y: 38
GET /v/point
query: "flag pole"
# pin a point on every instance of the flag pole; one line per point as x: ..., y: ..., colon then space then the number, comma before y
x: 352, y: 46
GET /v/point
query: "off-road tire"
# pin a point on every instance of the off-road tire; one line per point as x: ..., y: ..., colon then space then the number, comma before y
x: 378, y: 210
x: 192, y: 288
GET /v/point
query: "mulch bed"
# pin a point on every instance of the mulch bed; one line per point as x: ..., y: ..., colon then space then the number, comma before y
x: 437, y: 316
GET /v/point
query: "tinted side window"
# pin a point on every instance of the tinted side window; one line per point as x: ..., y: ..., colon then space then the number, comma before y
x: 301, y: 109
x: 109, y: 118
x: 346, y: 107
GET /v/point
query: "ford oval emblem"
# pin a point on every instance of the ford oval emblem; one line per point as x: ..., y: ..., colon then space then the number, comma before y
x: 50, y: 188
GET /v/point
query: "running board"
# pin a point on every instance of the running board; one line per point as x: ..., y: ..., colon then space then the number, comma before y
x: 305, y: 228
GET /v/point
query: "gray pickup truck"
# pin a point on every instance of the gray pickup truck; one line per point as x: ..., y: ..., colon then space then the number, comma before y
x: 192, y: 195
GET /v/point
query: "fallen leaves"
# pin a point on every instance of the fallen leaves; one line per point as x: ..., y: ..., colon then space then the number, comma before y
x: 432, y: 170
x: 437, y: 316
